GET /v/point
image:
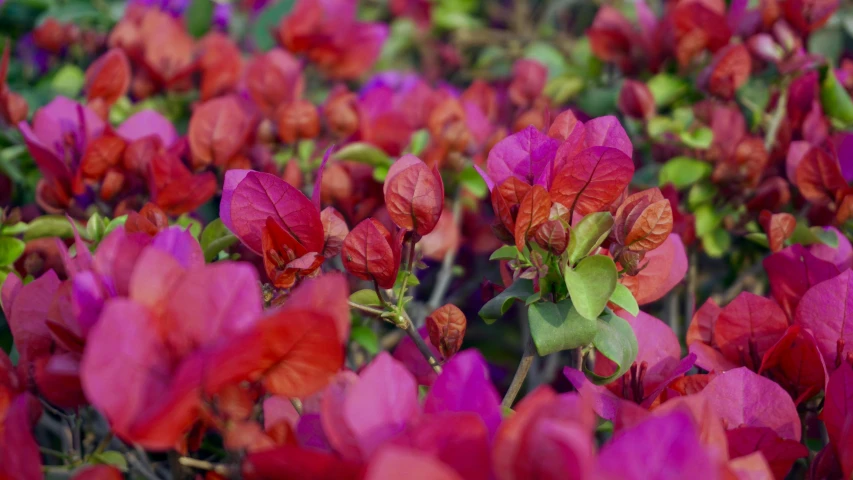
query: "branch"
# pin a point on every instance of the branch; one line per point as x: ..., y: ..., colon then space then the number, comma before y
x: 776, y: 119
x: 520, y: 373
x: 365, y: 308
x: 422, y: 346
x: 223, y: 470
x: 445, y: 275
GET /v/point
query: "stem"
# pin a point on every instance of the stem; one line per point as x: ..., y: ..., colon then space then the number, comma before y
x: 365, y: 308
x: 105, y: 442
x: 379, y: 294
x: 520, y: 373
x: 445, y: 275
x: 141, y: 466
x: 297, y: 405
x: 223, y: 470
x: 422, y: 346
x: 776, y: 119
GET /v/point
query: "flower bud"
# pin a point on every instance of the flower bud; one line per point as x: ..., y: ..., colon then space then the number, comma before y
x: 446, y: 328
x: 341, y: 112
x: 414, y: 195
x: 297, y: 120
x: 643, y: 221
x: 636, y: 100
x: 370, y: 252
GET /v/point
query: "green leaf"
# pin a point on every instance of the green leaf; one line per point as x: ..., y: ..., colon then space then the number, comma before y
x: 15, y: 229
x: 366, y: 337
x: 68, y: 81
x: 666, y: 88
x: 212, y: 249
x: 496, y: 307
x: 547, y: 55
x: 507, y: 252
x: 419, y: 141
x: 267, y: 21
x: 599, y: 101
x: 198, y: 17
x: 591, y: 283
x: 115, y: 223
x: 71, y: 12
x: 759, y: 238
x: 215, y: 238
x: 707, y: 219
x: 366, y: 297
x: 700, y: 138
x: 699, y: 194
x: 11, y: 249
x: 810, y: 236
x: 364, y: 153
x: 564, y: 88
x: 110, y: 457
x: 717, y: 243
x: 625, y: 299
x: 588, y: 234
x: 95, y: 227
x: 379, y: 174
x: 190, y: 224
x: 412, y: 279
x: 49, y: 226
x: 473, y: 182
x: 558, y: 326
x: 615, y: 339
x: 683, y: 172
x: 835, y: 100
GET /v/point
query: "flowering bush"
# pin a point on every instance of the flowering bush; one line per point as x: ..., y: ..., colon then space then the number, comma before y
x: 451, y: 240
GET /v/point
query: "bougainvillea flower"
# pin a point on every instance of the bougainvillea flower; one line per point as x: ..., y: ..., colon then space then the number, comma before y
x: 841, y: 256
x: 391, y: 460
x: 174, y: 188
x: 816, y: 172
x: 838, y: 414
x: 591, y: 180
x: 666, y: 446
x: 643, y: 221
x: 371, y: 252
x: 660, y: 271
x: 57, y: 139
x: 780, y: 453
x: 658, y: 361
x: 218, y: 130
x: 285, y: 259
x: 792, y: 272
x: 549, y: 436
x: 447, y: 326
x: 636, y: 100
x: 743, y: 398
x: 220, y: 64
x: 778, y: 227
x: 174, y: 320
x: 299, y: 464
x: 824, y: 311
x: 45, y: 362
x: 107, y: 80
x: 808, y: 15
x: 614, y: 39
x: 13, y: 107
x: 274, y: 78
x: 361, y: 414
x: 743, y: 331
x: 20, y: 457
x: 329, y: 34
x: 464, y: 386
x: 698, y: 26
x: 249, y: 198
x: 533, y: 212
x: 728, y: 71
x: 527, y: 155
x: 528, y: 81
x: 147, y: 123
x: 795, y: 363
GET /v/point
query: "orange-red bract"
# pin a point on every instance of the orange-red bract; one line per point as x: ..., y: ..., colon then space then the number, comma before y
x: 592, y: 179
x: 729, y: 71
x: 218, y: 130
x: 285, y: 259
x: 778, y: 226
x: 643, y: 221
x: 748, y: 327
x: 102, y: 154
x: 533, y: 212
x: 636, y: 100
x: 335, y: 230
x: 506, y: 199
x: 274, y: 78
x: 108, y: 79
x: 150, y: 219
x: 220, y: 64
x: 447, y: 327
x: 297, y: 120
x: 371, y: 252
x: 414, y: 195
x: 818, y: 176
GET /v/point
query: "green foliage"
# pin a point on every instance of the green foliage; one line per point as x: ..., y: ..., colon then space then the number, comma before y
x: 588, y: 235
x: 473, y: 182
x: 623, y: 297
x: 215, y: 238
x: 496, y: 307
x: 364, y: 153
x: 267, y: 21
x: 366, y: 338
x: 615, y: 339
x: 558, y: 326
x: 835, y: 100
x: 591, y: 283
x: 683, y: 172
x: 366, y: 297
x: 198, y: 17
x: 10, y: 250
